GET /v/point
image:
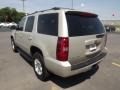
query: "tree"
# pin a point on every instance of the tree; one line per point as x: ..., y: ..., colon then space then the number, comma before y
x: 8, y: 14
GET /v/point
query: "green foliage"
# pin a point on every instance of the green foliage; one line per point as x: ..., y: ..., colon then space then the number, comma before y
x: 8, y: 14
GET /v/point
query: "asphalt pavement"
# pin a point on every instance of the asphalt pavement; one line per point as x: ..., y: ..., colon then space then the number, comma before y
x: 16, y: 73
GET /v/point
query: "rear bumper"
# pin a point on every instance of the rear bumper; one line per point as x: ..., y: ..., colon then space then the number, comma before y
x: 66, y: 69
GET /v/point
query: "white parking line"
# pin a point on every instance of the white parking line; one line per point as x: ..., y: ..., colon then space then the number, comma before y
x: 54, y: 87
x: 116, y: 64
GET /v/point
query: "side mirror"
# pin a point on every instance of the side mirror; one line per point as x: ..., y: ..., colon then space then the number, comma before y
x: 19, y: 28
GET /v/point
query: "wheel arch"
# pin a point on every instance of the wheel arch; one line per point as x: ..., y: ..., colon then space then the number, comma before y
x: 11, y: 37
x: 34, y: 49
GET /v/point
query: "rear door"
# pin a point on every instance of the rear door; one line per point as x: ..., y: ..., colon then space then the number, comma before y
x: 86, y: 35
x: 47, y: 33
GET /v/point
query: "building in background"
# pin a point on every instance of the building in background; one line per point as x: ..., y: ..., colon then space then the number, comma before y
x: 111, y: 25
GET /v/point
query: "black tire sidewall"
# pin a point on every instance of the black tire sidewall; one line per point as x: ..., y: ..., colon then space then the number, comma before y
x: 44, y: 74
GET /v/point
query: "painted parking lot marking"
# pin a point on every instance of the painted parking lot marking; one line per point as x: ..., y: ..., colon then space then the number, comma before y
x: 116, y: 64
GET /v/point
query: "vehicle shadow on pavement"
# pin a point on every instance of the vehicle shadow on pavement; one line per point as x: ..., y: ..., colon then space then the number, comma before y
x: 70, y: 81
x: 26, y: 59
x: 73, y: 80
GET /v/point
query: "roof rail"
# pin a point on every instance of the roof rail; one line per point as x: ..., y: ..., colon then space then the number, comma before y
x: 54, y: 8
x: 33, y: 12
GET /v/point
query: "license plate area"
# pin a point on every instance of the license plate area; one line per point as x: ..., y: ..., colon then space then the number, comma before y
x: 92, y: 47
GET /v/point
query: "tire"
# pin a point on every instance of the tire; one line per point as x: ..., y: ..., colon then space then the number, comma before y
x: 95, y: 67
x: 14, y: 47
x: 39, y: 67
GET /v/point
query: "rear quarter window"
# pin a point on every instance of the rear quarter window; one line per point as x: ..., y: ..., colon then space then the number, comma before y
x: 48, y: 24
x: 83, y: 25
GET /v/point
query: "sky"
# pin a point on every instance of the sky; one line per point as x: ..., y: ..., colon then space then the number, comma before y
x: 104, y: 8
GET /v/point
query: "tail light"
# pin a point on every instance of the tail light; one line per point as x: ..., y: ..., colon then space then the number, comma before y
x: 62, y: 49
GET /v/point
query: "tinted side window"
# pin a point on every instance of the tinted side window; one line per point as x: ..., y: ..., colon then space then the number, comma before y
x: 21, y: 24
x: 48, y: 24
x: 80, y: 26
x: 29, y: 24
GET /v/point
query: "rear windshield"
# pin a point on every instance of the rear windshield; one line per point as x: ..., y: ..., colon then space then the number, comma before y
x: 80, y: 25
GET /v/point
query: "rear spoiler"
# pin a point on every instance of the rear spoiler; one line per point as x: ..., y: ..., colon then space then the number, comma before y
x: 83, y: 14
